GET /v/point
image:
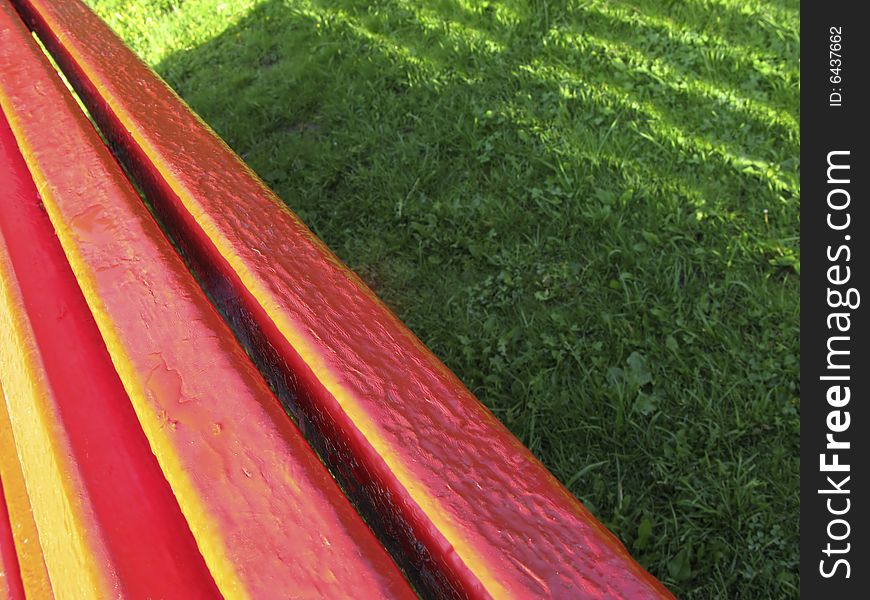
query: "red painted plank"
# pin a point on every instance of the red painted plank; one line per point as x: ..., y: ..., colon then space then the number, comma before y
x: 10, y: 578
x: 267, y: 516
x: 469, y: 508
x: 92, y: 478
x: 34, y: 576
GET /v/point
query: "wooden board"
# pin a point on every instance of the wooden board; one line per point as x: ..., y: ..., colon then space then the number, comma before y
x: 466, y: 508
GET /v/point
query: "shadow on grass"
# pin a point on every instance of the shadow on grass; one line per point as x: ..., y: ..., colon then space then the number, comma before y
x: 568, y: 207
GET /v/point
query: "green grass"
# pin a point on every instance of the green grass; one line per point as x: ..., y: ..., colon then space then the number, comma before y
x: 587, y: 209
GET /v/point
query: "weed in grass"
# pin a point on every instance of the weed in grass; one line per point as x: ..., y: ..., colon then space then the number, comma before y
x: 587, y: 209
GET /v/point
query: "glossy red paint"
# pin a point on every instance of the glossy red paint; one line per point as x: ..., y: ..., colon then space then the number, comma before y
x: 120, y: 506
x: 266, y: 515
x: 467, y: 507
x: 11, y: 587
x: 31, y: 565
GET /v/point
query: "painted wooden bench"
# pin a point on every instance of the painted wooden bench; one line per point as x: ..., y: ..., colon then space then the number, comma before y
x: 146, y: 448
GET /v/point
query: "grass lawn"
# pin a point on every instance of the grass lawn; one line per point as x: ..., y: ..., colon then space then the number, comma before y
x: 588, y: 209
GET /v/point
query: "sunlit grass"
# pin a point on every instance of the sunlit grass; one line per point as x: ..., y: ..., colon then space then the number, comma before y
x: 587, y: 208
